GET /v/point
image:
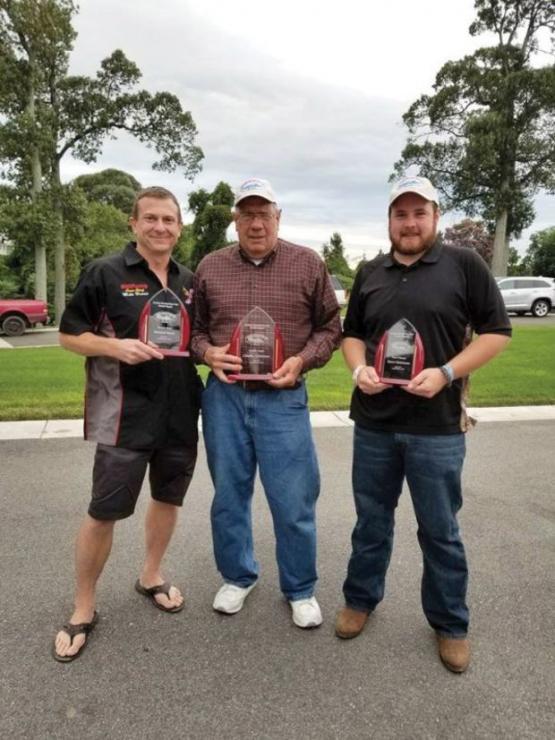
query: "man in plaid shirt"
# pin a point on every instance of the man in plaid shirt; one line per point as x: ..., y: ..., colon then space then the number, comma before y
x: 249, y: 423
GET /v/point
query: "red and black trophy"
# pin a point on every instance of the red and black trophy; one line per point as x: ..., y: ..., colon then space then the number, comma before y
x: 164, y: 322
x: 400, y: 354
x: 258, y: 342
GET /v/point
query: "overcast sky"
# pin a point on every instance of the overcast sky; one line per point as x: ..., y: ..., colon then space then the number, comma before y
x: 307, y: 94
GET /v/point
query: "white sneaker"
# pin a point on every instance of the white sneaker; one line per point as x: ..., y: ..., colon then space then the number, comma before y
x: 306, y: 613
x: 230, y: 598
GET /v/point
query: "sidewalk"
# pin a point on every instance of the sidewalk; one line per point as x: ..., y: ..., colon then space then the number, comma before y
x: 62, y: 428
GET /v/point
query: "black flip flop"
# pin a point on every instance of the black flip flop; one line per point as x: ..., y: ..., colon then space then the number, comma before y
x: 150, y: 593
x: 85, y: 628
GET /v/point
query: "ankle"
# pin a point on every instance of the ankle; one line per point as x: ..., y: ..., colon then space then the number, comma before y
x: 83, y: 612
x: 150, y: 577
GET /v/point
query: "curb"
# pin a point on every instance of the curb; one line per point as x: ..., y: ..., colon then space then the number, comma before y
x: 68, y: 428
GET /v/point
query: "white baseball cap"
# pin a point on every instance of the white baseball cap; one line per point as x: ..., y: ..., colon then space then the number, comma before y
x: 255, y: 186
x: 414, y: 184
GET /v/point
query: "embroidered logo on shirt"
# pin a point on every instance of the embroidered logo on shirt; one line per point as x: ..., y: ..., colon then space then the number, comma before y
x: 133, y: 289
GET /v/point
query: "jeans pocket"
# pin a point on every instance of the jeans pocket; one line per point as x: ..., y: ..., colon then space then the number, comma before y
x: 295, y: 398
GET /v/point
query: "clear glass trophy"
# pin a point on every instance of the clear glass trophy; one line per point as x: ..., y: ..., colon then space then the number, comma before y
x: 258, y: 342
x: 400, y: 354
x: 164, y: 322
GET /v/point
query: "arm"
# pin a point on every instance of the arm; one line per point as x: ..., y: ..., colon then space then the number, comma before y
x: 130, y: 351
x: 483, y: 349
x: 202, y: 349
x: 354, y: 352
x: 324, y: 338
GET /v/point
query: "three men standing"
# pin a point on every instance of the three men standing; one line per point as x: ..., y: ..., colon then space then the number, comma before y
x: 249, y: 424
x: 416, y: 432
x: 142, y: 409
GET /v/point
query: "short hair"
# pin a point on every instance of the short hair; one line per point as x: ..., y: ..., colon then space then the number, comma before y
x: 155, y: 192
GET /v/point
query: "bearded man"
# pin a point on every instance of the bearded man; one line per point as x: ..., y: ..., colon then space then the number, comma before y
x: 415, y: 431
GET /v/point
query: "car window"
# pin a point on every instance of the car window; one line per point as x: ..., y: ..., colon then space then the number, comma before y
x: 541, y: 284
x: 506, y: 284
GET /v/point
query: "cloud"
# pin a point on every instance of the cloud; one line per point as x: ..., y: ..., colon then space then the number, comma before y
x: 327, y: 148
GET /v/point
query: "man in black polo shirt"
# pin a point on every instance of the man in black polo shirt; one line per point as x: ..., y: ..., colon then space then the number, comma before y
x: 416, y: 431
x: 141, y: 407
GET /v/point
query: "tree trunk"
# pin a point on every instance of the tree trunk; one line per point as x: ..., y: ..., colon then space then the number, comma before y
x: 59, y: 245
x: 40, y: 247
x: 500, y: 246
x: 36, y: 187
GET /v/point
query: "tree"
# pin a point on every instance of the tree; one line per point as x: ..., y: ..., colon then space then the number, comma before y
x: 540, y: 256
x: 334, y: 257
x: 515, y: 265
x: 212, y: 217
x: 486, y: 137
x: 34, y: 38
x: 472, y: 234
x: 110, y: 187
x: 75, y: 113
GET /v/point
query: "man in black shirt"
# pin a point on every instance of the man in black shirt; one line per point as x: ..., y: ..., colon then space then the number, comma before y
x: 416, y: 431
x: 141, y: 407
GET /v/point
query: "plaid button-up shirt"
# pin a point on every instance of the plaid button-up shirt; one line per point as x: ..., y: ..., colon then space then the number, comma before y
x: 291, y: 284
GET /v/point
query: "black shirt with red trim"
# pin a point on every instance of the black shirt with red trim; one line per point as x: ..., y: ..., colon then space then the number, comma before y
x: 443, y: 293
x: 150, y: 405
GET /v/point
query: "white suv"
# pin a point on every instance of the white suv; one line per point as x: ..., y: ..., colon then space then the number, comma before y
x: 522, y: 294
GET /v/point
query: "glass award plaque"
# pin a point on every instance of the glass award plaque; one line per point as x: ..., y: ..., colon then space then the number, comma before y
x: 258, y: 342
x: 164, y: 322
x: 400, y: 354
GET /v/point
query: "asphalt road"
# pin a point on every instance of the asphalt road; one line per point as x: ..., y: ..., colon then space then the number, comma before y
x: 199, y: 674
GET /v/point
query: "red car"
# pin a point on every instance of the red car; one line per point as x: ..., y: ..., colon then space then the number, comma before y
x: 18, y: 314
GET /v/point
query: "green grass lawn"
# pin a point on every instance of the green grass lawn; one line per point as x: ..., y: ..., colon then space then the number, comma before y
x: 47, y: 383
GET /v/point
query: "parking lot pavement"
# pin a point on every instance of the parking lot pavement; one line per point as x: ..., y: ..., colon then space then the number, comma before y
x: 37, y: 337
x: 199, y: 674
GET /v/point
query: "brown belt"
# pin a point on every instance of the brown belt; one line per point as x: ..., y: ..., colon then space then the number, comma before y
x: 261, y: 385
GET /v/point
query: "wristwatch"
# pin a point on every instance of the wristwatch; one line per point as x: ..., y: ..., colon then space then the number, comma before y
x: 448, y: 373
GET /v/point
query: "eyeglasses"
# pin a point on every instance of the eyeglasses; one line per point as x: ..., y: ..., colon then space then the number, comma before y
x: 248, y: 216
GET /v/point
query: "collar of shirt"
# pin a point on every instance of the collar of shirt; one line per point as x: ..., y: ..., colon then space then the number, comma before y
x: 431, y: 256
x: 263, y: 260
x: 132, y: 257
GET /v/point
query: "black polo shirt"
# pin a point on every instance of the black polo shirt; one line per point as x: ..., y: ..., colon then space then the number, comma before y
x: 441, y: 294
x: 153, y: 404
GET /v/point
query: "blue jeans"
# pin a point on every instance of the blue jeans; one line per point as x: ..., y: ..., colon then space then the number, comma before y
x: 270, y: 428
x: 432, y: 465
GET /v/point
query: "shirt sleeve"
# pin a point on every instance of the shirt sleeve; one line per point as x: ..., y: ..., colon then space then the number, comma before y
x: 87, y: 304
x: 486, y: 308
x: 200, y: 337
x: 326, y: 333
x: 353, y: 325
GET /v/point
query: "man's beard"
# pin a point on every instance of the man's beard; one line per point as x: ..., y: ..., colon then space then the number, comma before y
x: 422, y: 246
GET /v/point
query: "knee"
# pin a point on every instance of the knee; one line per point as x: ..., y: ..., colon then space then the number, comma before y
x: 98, y: 525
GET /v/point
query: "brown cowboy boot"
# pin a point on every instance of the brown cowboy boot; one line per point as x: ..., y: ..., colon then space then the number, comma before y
x: 349, y: 622
x: 454, y: 653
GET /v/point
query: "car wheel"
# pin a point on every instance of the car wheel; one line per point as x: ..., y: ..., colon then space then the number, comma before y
x: 13, y: 326
x: 540, y: 308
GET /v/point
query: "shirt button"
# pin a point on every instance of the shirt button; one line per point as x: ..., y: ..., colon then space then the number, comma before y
x: 403, y: 280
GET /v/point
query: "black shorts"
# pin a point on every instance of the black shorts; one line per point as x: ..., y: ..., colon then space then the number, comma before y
x: 118, y: 475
